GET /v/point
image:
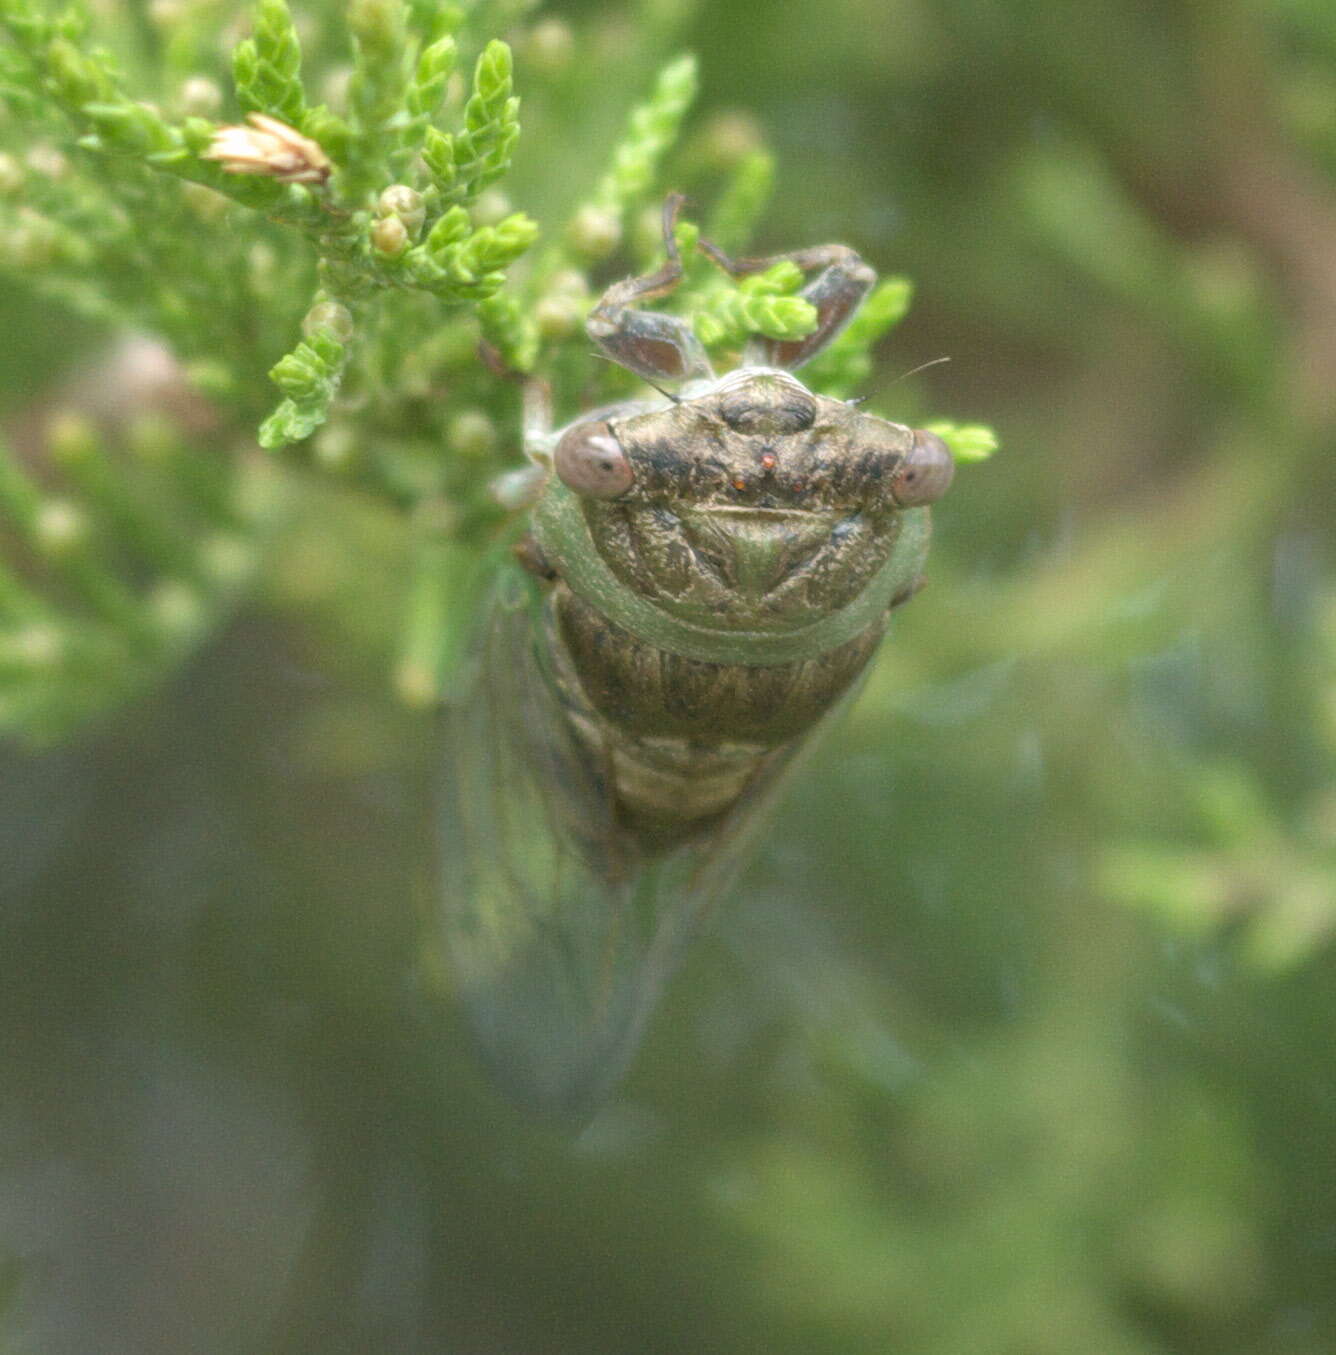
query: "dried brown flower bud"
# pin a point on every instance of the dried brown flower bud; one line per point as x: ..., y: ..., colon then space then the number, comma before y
x: 269, y: 147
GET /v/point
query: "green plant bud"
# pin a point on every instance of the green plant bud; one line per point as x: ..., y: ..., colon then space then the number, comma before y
x: 471, y: 433
x: 516, y: 489
x: 71, y: 437
x: 227, y: 558
x: 176, y: 608
x: 153, y: 437
x: 1225, y: 280
x: 569, y: 282
x: 11, y: 175
x: 336, y: 446
x: 60, y: 526
x: 200, y: 97
x: 594, y: 232
x: 518, y: 231
x: 1319, y: 817
x: 781, y: 317
x: 549, y: 46
x: 405, y: 203
x: 334, y: 87
x: 438, y: 154
x: 259, y: 492
x: 492, y: 205
x: 452, y: 227
x: 376, y: 23
x: 47, y: 161
x: 211, y: 378
x: 415, y: 684
x: 492, y: 75
x: 389, y: 236
x: 646, y: 231
x: 313, y: 362
x: 729, y: 138
x: 31, y: 244
x: 78, y: 79
x: 245, y: 69
x: 559, y: 316
x: 434, y: 67
x: 415, y: 376
x: 263, y: 265
x: 206, y: 204
x: 435, y: 516
x: 167, y: 14
x: 438, y: 59
x: 38, y: 647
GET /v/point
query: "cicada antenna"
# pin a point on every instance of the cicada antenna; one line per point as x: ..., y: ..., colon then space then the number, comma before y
x: 857, y: 400
x: 922, y: 367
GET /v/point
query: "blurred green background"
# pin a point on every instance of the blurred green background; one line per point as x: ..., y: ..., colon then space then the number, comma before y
x: 1018, y: 1038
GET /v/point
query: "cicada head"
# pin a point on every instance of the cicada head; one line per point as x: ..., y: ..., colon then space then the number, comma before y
x: 751, y: 502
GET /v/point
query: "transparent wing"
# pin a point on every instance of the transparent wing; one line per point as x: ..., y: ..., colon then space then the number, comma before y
x: 560, y: 939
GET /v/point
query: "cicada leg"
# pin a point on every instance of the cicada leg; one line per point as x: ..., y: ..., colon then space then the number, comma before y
x: 517, y: 489
x: 656, y: 347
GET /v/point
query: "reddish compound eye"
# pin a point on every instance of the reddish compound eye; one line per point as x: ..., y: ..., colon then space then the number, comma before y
x: 925, y: 474
x: 590, y: 460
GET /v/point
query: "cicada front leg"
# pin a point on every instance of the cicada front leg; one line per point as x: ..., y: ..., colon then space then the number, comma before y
x: 655, y: 346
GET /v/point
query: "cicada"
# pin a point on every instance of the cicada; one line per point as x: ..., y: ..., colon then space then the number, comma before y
x: 704, y: 577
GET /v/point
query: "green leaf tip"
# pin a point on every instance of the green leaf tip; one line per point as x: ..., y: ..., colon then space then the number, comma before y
x: 492, y: 74
x: 479, y: 154
x: 967, y: 442
x: 266, y: 68
x: 309, y: 377
x: 650, y: 130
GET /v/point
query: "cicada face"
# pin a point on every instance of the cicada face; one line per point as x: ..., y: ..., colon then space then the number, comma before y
x: 751, y: 503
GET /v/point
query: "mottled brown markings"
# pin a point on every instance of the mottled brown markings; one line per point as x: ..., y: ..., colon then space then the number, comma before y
x: 687, y: 566
x: 773, y: 414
